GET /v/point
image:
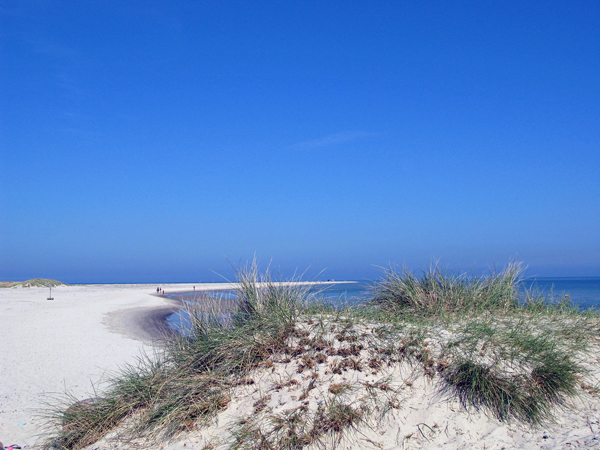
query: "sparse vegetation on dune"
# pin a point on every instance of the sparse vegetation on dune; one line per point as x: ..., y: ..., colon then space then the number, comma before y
x: 310, y: 376
x: 35, y: 282
x: 512, y: 352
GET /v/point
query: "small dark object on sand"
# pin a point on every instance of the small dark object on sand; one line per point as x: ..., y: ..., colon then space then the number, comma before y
x: 10, y: 447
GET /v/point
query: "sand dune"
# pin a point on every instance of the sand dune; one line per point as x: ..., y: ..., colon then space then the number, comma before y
x: 86, y: 333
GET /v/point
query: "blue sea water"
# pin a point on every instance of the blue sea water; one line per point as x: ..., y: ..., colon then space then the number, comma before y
x: 583, y: 292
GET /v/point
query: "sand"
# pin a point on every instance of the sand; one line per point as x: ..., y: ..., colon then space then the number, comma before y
x: 86, y: 333
x: 72, y: 343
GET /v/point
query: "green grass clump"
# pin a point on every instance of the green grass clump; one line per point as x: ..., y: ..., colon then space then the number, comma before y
x: 436, y: 292
x: 84, y: 422
x: 525, y: 397
x: 480, y: 386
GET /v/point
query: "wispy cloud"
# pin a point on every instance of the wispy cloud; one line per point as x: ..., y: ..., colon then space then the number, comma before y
x: 332, y: 140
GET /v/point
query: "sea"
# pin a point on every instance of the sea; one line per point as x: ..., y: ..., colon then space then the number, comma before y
x: 583, y: 292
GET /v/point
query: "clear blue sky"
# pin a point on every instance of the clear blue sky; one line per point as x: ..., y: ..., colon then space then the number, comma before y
x: 155, y: 141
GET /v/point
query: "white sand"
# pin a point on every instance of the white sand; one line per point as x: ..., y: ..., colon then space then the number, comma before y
x: 68, y: 344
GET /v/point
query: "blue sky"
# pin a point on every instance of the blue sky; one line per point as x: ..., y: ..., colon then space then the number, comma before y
x: 164, y: 140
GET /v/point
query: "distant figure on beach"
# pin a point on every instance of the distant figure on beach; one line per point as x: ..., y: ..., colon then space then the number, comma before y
x: 157, y: 290
x: 194, y: 287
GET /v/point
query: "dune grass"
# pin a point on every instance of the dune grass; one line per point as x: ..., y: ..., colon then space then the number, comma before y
x: 509, y: 351
x: 437, y: 292
x: 514, y: 355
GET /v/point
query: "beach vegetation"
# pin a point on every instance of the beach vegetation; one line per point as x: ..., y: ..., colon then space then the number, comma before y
x: 509, y: 351
x: 437, y: 292
x: 193, y: 376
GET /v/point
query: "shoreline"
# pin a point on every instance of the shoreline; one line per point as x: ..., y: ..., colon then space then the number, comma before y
x: 89, y: 334
x: 346, y: 354
x: 227, y: 286
x: 154, y: 324
x: 147, y: 324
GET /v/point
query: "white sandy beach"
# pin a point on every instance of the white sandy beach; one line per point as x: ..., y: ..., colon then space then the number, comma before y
x: 69, y: 344
x: 87, y: 332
